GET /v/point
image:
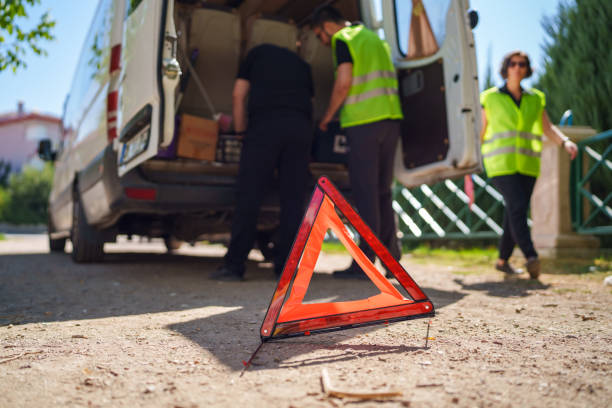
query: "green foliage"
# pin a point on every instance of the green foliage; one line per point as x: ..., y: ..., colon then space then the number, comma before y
x: 14, y: 39
x: 577, y: 63
x: 5, y: 172
x: 26, y: 199
x: 4, y: 200
x: 133, y: 5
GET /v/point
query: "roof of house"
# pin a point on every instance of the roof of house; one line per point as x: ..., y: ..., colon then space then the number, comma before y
x: 11, y: 118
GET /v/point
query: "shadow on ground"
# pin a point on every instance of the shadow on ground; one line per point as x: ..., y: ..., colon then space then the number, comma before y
x: 46, y: 287
x: 509, y: 287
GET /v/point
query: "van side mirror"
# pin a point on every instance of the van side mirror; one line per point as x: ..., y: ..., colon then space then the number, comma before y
x: 473, y: 16
x: 44, y: 150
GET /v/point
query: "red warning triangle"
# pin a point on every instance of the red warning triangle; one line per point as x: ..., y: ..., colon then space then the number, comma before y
x: 287, y: 316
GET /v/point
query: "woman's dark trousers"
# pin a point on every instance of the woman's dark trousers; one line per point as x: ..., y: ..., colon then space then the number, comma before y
x: 516, y: 189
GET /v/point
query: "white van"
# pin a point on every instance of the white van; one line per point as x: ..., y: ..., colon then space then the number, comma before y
x: 113, y: 173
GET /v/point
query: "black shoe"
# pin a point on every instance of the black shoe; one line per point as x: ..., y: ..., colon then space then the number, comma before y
x: 224, y: 273
x: 507, y: 269
x: 352, y: 272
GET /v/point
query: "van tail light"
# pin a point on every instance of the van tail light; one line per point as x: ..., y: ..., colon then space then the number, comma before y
x: 146, y: 194
x: 112, y: 103
x: 115, y: 61
x: 111, y: 115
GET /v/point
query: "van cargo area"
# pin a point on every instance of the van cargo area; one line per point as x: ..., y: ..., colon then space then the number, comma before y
x: 194, y: 177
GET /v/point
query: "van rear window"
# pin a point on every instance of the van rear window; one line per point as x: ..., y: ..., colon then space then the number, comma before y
x: 421, y: 26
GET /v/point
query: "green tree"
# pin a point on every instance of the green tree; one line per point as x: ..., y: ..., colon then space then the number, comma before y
x: 28, y: 195
x: 15, y: 39
x: 577, y: 71
x: 5, y: 172
x: 4, y: 200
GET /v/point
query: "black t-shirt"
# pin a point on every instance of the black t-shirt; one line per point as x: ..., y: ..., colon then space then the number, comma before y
x: 504, y: 89
x: 342, y: 52
x: 280, y: 81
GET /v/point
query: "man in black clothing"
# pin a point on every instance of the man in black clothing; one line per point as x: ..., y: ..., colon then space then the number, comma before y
x: 278, y: 135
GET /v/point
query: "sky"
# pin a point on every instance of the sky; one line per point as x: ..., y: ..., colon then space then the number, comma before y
x: 504, y: 25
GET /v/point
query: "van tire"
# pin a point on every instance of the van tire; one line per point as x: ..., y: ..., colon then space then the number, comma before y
x: 87, y: 242
x: 55, y: 245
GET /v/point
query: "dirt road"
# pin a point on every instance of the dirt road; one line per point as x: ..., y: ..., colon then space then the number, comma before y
x: 146, y: 328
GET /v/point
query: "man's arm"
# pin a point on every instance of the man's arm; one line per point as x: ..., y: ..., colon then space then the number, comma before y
x: 342, y: 85
x: 241, y: 90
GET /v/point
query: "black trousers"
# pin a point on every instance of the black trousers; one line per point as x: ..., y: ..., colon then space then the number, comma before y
x: 516, y: 189
x: 274, y: 142
x: 371, y: 173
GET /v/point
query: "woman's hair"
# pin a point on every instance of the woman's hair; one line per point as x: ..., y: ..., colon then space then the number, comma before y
x: 506, y: 62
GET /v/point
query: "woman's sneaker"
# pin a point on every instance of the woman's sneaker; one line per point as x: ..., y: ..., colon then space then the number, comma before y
x: 533, y: 267
x: 507, y: 269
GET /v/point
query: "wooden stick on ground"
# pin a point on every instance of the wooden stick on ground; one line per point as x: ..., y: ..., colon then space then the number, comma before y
x: 6, y: 360
x: 333, y: 392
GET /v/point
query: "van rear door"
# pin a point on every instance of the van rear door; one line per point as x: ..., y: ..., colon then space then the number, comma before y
x: 433, y: 47
x: 149, y: 76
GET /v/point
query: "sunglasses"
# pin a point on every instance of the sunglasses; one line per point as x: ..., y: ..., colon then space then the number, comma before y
x: 521, y: 64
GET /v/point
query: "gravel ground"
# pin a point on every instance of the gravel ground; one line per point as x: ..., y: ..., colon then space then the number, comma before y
x: 146, y: 328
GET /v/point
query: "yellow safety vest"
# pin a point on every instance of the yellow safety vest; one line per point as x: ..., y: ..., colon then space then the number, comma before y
x: 373, y: 95
x: 513, y: 139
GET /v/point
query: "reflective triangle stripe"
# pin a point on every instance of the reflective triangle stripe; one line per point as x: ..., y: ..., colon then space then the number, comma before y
x: 352, y: 99
x: 362, y: 79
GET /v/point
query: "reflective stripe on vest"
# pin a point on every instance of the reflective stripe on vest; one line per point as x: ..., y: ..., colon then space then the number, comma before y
x: 370, y: 94
x: 511, y: 149
x: 362, y: 79
x: 511, y: 134
x: 513, y: 139
x: 373, y: 95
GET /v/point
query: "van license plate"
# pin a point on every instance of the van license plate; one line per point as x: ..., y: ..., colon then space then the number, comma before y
x: 135, y: 145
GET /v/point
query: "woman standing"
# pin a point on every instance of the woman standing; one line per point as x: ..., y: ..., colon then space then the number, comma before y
x: 513, y: 120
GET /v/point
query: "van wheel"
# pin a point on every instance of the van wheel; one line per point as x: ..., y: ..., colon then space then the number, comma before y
x: 172, y: 244
x: 55, y: 245
x: 87, y: 243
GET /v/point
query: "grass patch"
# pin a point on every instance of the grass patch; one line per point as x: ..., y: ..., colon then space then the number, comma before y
x: 2, y: 237
x: 467, y: 272
x: 478, y: 259
x: 460, y: 257
x: 594, y: 269
x: 561, y: 291
x: 465, y: 257
x: 333, y: 247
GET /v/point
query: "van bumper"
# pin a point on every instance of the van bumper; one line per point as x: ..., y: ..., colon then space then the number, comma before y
x: 160, y: 187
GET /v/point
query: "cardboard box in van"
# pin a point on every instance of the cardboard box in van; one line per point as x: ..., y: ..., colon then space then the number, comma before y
x: 197, y: 138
